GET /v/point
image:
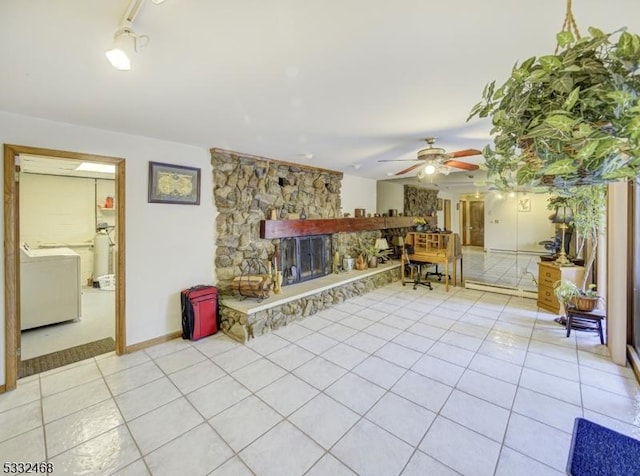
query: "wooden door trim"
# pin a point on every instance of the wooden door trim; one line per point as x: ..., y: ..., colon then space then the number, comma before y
x: 11, y: 270
x: 12, y: 256
x: 447, y: 213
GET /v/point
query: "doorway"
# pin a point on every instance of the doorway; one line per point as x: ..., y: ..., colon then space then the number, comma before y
x: 472, y: 218
x: 12, y: 158
x: 447, y: 214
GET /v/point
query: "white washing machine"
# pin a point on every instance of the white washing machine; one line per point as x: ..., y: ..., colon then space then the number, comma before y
x: 49, y: 286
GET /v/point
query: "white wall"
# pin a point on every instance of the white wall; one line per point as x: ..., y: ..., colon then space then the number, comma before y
x: 168, y: 247
x: 506, y: 228
x: 63, y: 210
x: 358, y: 192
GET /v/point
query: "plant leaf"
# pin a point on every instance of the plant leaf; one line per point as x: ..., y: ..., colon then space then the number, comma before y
x: 625, y: 45
x: 563, y: 84
x: 596, y: 33
x: 587, y: 150
x: 561, y: 167
x: 539, y: 75
x: 572, y: 99
x: 564, y: 38
x: 550, y: 62
x: 560, y: 122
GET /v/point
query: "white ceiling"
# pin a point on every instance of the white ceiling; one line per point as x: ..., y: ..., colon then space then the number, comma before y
x: 350, y: 81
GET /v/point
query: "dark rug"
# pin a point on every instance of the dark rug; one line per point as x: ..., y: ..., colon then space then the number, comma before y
x: 599, y: 451
x: 65, y: 357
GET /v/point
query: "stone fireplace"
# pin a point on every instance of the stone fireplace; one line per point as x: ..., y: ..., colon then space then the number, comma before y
x: 248, y: 189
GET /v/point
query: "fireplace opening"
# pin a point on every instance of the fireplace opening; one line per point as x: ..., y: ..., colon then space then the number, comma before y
x: 304, y: 258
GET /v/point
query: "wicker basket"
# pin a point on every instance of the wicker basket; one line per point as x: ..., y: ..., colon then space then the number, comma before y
x: 584, y: 303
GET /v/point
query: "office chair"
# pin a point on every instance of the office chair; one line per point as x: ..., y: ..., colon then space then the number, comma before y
x: 415, y: 269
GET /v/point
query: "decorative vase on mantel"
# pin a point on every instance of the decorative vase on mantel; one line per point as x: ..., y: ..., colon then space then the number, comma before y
x: 373, y: 262
x: 360, y: 263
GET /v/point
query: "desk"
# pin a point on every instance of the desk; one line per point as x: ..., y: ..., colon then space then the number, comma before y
x: 436, y: 248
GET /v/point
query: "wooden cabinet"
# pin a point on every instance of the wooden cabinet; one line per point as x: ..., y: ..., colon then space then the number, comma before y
x: 428, y: 242
x: 548, y: 274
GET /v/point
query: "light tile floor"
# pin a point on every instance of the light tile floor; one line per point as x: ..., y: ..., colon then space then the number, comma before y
x: 98, y: 321
x: 518, y: 270
x: 398, y: 381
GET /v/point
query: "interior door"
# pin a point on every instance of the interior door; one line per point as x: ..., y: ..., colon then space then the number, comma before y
x: 447, y: 214
x: 476, y: 223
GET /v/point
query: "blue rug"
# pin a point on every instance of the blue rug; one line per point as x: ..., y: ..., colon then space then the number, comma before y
x: 599, y: 451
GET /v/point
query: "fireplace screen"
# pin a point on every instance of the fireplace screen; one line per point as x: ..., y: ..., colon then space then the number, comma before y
x: 304, y: 258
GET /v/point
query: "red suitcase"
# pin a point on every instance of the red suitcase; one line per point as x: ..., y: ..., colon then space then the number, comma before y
x: 199, y: 311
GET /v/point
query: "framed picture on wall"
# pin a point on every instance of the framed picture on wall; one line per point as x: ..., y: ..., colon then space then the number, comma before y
x: 524, y: 204
x: 439, y: 204
x: 174, y: 184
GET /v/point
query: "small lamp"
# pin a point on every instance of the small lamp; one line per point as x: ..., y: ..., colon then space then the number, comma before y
x: 381, y: 244
x: 562, y: 217
x: 398, y: 242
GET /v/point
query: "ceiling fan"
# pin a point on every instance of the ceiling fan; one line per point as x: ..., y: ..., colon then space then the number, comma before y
x: 436, y: 159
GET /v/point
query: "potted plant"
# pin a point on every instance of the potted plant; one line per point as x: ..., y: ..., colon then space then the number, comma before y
x: 370, y: 253
x: 569, y: 294
x: 565, y: 291
x: 570, y: 118
x: 586, y: 300
x: 420, y: 223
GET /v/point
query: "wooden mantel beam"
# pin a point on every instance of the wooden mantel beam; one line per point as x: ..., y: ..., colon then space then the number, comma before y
x: 270, y: 229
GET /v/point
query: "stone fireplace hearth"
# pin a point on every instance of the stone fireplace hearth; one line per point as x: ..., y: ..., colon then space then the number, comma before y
x: 243, y: 319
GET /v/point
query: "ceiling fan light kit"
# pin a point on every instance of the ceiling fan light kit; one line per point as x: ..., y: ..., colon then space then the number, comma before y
x: 437, y: 160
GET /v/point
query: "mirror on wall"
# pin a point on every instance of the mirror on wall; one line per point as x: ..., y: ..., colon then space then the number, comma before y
x: 504, y: 235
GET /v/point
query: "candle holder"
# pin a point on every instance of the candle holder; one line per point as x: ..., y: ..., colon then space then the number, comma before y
x: 277, y: 282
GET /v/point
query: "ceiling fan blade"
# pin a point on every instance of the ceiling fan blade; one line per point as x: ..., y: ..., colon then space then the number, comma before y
x: 461, y: 165
x: 409, y: 169
x: 465, y: 153
x: 399, y: 160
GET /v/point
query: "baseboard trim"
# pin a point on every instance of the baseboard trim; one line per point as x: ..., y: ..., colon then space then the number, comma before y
x: 151, y: 342
x: 634, y: 359
x: 516, y: 252
x: 499, y: 289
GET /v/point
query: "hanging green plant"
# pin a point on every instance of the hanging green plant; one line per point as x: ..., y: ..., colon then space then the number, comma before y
x: 570, y: 118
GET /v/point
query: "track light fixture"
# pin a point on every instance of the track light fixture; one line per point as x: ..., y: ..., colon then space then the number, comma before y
x: 125, y: 43
x: 125, y: 40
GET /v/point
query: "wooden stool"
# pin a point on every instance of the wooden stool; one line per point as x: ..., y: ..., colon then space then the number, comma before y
x: 584, y: 320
